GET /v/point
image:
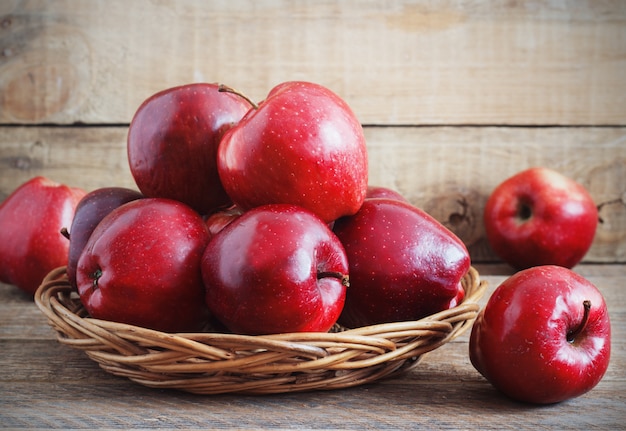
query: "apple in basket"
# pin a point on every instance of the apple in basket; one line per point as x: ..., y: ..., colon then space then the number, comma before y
x: 374, y: 192
x: 404, y: 264
x: 276, y: 268
x: 220, y: 219
x: 141, y: 266
x: 172, y: 144
x: 543, y: 337
x: 540, y: 217
x: 31, y: 219
x: 89, y: 212
x: 302, y: 145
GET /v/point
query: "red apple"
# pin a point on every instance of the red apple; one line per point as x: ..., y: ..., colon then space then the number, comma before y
x: 374, y: 192
x: 220, y: 219
x: 302, y: 145
x: 141, y: 266
x: 31, y: 218
x: 543, y: 337
x: 172, y: 144
x: 458, y: 298
x: 89, y: 212
x: 404, y: 264
x: 540, y: 217
x: 276, y: 268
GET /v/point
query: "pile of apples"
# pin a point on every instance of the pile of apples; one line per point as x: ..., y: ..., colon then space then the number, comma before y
x: 259, y: 219
x: 254, y: 217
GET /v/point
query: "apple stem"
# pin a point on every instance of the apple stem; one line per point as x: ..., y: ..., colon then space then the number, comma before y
x: 65, y: 233
x: 226, y: 89
x: 524, y: 211
x: 571, y: 336
x: 96, y: 276
x: 345, y: 280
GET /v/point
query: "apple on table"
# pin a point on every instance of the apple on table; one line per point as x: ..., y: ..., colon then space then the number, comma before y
x: 31, y: 219
x: 543, y: 337
x: 540, y: 217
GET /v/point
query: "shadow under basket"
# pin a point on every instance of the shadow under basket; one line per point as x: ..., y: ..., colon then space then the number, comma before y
x: 213, y: 363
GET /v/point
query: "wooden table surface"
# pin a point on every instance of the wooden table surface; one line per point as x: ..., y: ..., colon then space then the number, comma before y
x: 44, y: 385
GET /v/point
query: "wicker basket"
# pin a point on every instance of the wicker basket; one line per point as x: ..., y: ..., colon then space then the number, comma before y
x: 212, y: 363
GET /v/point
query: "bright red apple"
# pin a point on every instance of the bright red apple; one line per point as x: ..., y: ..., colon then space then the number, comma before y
x: 141, y: 266
x: 543, y: 337
x: 540, y: 217
x: 89, y: 212
x: 302, y: 145
x: 276, y: 268
x: 31, y: 218
x: 172, y: 144
x: 404, y: 264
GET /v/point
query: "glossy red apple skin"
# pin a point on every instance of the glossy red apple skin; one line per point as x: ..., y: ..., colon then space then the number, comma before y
x: 303, y: 145
x: 141, y: 266
x: 89, y: 212
x: 458, y: 298
x: 172, y: 144
x: 519, y: 339
x: 277, y: 268
x: 31, y: 219
x: 375, y: 192
x: 404, y: 264
x: 540, y: 217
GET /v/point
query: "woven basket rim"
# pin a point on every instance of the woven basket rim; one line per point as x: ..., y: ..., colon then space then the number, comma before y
x: 214, y: 362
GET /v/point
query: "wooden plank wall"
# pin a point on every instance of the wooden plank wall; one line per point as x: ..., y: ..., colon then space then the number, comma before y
x: 454, y: 96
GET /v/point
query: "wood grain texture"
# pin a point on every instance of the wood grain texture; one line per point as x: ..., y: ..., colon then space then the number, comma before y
x: 411, y: 62
x: 45, y: 385
x: 450, y: 172
x: 447, y: 171
x: 456, y: 96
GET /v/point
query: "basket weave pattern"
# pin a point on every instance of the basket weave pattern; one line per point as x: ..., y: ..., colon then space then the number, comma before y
x: 212, y: 363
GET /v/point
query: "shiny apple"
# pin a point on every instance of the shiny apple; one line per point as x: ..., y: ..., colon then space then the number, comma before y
x: 540, y: 217
x: 302, y: 145
x: 141, y: 266
x: 543, y: 337
x: 404, y: 264
x: 276, y: 268
x: 89, y: 212
x: 31, y: 219
x: 172, y: 144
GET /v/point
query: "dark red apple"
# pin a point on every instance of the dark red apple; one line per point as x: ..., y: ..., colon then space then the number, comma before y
x: 141, y: 266
x: 540, y: 217
x: 374, y: 192
x: 458, y: 298
x: 220, y: 219
x: 302, y: 145
x: 89, y: 212
x: 543, y: 337
x: 404, y: 264
x: 172, y: 144
x: 276, y: 268
x: 31, y: 218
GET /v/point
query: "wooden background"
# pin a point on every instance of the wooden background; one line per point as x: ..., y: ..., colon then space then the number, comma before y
x: 454, y: 96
